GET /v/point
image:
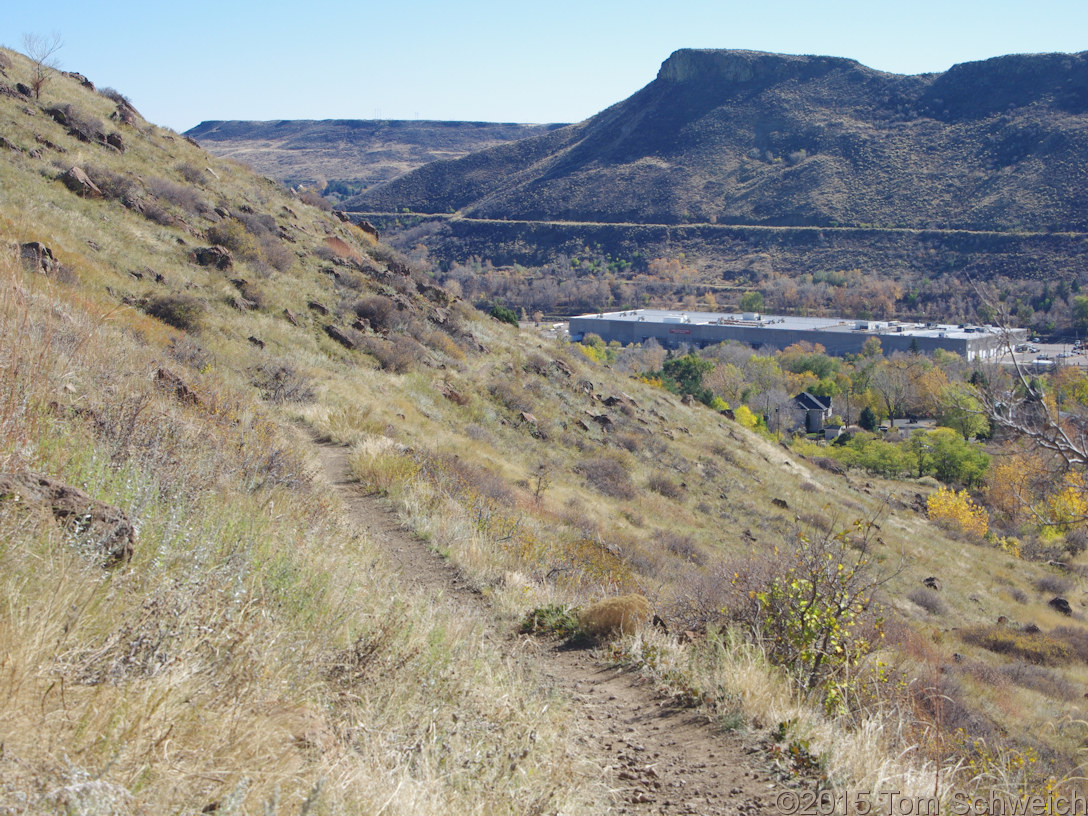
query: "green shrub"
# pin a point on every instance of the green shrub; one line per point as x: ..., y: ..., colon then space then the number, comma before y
x: 504, y: 315
x: 553, y: 620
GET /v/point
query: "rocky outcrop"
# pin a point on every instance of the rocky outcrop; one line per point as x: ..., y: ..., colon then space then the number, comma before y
x: 217, y: 256
x: 38, y: 257
x: 98, y: 528
x: 77, y: 180
x: 341, y: 337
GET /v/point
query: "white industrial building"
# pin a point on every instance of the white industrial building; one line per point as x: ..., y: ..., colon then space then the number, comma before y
x: 838, y: 336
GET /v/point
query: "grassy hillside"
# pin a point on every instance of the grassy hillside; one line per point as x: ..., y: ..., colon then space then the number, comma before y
x: 255, y: 653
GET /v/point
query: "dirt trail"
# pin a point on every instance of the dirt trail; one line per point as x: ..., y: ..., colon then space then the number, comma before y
x: 656, y: 758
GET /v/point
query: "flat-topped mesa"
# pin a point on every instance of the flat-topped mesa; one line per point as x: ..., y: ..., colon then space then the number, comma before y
x: 747, y: 67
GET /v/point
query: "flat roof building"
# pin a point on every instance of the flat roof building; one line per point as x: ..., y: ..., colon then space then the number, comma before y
x: 838, y: 335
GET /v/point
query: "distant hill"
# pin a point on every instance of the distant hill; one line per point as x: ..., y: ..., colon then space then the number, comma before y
x: 743, y: 137
x: 753, y: 164
x: 352, y: 154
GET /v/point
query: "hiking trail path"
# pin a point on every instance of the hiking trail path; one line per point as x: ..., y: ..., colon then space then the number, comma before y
x: 654, y: 757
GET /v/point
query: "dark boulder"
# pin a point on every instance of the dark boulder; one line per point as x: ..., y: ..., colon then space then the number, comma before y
x: 341, y: 337
x: 1061, y: 605
x: 217, y: 256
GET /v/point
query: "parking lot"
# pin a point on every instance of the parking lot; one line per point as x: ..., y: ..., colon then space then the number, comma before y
x: 1052, y: 353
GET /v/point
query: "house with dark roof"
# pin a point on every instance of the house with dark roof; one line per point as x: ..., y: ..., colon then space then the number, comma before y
x: 810, y: 412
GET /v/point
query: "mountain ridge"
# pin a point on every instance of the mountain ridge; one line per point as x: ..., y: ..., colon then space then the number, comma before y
x: 751, y: 137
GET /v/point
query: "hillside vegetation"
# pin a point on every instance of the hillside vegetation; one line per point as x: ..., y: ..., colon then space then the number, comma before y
x: 176, y: 331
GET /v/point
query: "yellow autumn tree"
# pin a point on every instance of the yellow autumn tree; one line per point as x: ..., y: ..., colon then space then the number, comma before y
x: 1068, y: 505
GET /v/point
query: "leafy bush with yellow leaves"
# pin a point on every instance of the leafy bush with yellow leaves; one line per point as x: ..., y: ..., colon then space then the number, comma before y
x: 959, y: 511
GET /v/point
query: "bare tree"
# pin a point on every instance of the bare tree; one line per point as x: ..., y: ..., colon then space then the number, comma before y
x: 42, y: 52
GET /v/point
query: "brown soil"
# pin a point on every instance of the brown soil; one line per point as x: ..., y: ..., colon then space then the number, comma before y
x: 655, y: 757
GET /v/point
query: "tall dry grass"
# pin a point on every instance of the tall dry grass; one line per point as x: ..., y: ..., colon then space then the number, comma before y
x: 256, y: 654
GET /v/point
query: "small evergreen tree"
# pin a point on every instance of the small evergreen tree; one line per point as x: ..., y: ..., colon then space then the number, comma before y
x: 867, y: 419
x: 504, y: 315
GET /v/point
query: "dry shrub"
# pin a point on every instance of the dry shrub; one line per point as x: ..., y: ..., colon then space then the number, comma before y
x: 683, y: 546
x: 186, y: 350
x: 660, y: 483
x: 179, y: 195
x: 232, y: 234
x: 83, y: 126
x: 511, y: 395
x: 1053, y: 584
x: 153, y: 212
x: 623, y: 614
x: 114, y: 186
x: 183, y: 312
x: 276, y: 254
x: 281, y: 381
x: 192, y: 173
x: 1039, y: 678
x: 315, y: 200
x: 444, y: 344
x: 1075, y: 638
x: 339, y: 249
x: 380, y: 311
x: 398, y: 354
x: 608, y: 476
x: 1037, y: 648
x: 928, y: 599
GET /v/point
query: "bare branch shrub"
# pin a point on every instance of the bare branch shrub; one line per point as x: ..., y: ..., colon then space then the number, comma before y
x: 179, y: 195
x: 380, y: 311
x: 929, y: 600
x: 282, y: 381
x: 608, y: 476
x: 192, y: 173
x: 683, y: 546
x: 114, y: 186
x: 315, y: 199
x: 511, y: 395
x: 1053, y: 584
x: 153, y: 212
x: 42, y: 51
x: 665, y: 485
x: 397, y: 354
x: 1039, y: 678
x: 187, y: 350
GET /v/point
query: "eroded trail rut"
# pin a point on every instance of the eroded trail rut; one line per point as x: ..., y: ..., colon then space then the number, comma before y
x: 656, y: 758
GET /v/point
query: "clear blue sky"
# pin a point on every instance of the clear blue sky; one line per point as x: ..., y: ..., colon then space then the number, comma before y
x: 512, y: 61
